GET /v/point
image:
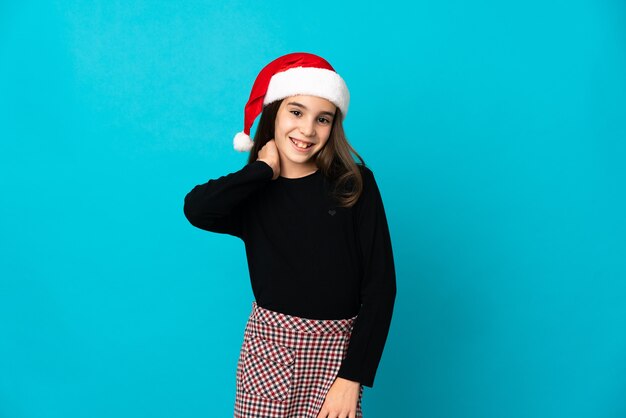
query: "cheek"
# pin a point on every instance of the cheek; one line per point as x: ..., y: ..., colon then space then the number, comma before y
x: 283, y: 125
x: 326, y: 133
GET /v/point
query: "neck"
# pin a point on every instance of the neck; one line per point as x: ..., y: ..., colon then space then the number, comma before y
x: 291, y: 170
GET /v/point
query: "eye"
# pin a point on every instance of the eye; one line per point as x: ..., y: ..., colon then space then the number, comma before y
x: 295, y: 111
x: 324, y: 120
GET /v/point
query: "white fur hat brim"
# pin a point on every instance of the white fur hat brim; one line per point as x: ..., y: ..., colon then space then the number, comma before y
x: 312, y: 81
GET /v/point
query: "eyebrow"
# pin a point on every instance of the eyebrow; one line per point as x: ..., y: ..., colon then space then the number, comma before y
x: 304, y: 107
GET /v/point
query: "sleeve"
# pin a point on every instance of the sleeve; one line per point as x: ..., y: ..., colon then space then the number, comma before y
x: 378, y: 287
x: 216, y: 206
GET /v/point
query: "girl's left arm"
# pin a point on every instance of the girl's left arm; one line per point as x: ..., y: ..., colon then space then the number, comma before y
x: 378, y: 287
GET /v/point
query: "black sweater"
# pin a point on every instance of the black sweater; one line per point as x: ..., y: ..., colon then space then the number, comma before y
x: 307, y: 256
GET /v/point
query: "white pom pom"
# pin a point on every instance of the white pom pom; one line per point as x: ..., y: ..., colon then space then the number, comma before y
x: 242, y: 142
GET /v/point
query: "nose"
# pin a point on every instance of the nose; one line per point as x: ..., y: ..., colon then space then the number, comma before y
x: 307, y: 128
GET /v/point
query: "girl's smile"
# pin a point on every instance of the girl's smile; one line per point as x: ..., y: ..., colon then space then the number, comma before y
x: 302, y: 146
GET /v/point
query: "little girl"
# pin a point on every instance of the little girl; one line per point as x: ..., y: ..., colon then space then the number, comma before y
x: 317, y: 243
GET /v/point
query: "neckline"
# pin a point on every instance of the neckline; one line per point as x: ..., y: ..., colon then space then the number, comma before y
x: 294, y: 179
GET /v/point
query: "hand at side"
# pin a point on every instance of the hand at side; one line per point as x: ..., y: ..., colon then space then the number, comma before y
x: 341, y: 399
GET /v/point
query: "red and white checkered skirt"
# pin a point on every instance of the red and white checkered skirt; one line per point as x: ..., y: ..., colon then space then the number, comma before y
x: 287, y: 364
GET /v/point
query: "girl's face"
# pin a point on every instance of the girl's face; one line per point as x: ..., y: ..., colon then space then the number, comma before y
x: 302, y: 121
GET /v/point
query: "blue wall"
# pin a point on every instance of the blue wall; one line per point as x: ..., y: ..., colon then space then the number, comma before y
x: 497, y: 134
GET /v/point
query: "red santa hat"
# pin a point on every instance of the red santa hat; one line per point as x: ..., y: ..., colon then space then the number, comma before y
x: 291, y: 75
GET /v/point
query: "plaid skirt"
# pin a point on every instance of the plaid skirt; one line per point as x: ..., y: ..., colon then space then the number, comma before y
x: 287, y: 364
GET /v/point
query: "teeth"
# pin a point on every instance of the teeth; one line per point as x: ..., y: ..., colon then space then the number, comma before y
x: 300, y: 144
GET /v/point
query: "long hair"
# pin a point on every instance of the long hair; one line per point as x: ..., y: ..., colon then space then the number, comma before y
x: 334, y: 159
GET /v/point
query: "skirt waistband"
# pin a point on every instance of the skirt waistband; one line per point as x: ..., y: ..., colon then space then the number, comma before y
x: 296, y: 323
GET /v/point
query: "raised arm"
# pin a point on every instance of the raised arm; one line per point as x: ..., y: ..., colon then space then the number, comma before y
x: 216, y: 205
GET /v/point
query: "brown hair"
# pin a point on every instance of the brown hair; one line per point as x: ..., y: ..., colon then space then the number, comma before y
x: 334, y: 160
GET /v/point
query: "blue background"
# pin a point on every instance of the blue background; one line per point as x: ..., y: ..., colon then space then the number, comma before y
x: 496, y: 131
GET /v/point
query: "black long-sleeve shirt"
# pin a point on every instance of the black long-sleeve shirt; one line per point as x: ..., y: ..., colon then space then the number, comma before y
x: 307, y: 256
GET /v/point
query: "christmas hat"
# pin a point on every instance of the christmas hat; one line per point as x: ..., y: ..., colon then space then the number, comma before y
x: 290, y: 75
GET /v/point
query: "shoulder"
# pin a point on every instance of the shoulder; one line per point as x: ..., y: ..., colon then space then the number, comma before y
x: 365, y: 170
x: 367, y: 175
x: 370, y: 190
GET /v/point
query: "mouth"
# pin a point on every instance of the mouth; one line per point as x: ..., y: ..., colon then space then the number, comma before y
x: 301, y: 145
